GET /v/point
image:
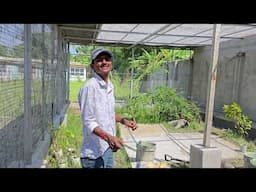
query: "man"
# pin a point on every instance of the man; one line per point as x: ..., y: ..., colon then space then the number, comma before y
x: 97, y: 105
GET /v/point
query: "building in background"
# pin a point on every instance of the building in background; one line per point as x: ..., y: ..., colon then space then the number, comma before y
x: 77, y: 71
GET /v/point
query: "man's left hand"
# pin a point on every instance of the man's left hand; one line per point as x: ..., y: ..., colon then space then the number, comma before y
x: 130, y: 124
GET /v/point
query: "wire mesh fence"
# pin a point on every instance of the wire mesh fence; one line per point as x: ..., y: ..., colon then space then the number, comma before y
x: 48, y: 87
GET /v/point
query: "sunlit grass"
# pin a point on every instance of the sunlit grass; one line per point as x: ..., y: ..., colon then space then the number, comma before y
x: 65, y: 139
x: 74, y: 87
x: 121, y: 156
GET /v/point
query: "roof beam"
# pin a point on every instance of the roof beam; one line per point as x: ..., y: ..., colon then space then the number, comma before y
x: 240, y: 31
x: 151, y: 34
x: 95, y: 33
x: 140, y: 33
x: 128, y: 33
x: 128, y: 42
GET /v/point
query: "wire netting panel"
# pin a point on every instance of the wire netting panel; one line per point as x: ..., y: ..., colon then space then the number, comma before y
x: 36, y: 83
x: 61, y: 79
x: 43, y: 77
x: 11, y: 94
x: 49, y: 60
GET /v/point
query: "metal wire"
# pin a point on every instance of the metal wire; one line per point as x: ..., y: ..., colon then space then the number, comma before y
x: 48, y: 87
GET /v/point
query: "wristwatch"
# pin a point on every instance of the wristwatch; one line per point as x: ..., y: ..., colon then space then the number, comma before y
x: 122, y: 120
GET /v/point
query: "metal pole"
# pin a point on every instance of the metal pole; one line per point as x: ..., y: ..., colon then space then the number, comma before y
x: 58, y: 69
x: 27, y: 95
x: 211, y: 84
x: 68, y: 72
x: 44, y: 61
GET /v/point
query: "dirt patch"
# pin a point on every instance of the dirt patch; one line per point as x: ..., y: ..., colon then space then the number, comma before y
x: 74, y: 106
x: 232, y: 163
x: 143, y: 130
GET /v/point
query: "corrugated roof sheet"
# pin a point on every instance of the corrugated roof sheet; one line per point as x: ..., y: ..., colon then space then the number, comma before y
x: 164, y: 35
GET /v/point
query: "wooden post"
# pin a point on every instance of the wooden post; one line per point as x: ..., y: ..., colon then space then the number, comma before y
x: 211, y: 85
x: 132, y: 71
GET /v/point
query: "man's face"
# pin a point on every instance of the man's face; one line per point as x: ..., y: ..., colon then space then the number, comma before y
x: 102, y: 64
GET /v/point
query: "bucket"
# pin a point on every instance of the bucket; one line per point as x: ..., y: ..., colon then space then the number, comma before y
x: 145, y: 151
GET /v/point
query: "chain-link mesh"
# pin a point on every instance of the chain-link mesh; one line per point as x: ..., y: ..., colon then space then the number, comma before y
x: 48, y: 87
x: 11, y: 93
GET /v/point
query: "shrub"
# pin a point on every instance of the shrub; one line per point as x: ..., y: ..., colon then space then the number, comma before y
x: 161, y: 105
x: 242, y: 123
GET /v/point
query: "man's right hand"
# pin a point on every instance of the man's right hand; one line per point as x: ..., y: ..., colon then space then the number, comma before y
x: 115, y: 143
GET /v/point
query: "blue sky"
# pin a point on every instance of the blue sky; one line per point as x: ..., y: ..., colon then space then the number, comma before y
x: 11, y: 35
x: 72, y: 49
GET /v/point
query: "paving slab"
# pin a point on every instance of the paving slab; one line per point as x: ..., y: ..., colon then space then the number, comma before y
x: 177, y: 145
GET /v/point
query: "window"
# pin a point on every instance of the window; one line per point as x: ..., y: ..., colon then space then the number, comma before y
x: 72, y: 71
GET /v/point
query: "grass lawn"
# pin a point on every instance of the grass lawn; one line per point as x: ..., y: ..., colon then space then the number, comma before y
x: 74, y: 87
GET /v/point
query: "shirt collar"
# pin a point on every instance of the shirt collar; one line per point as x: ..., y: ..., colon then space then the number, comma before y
x: 103, y: 83
x: 100, y: 80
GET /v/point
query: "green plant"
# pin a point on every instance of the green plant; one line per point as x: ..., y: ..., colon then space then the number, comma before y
x: 122, y: 86
x: 160, y: 105
x: 242, y: 123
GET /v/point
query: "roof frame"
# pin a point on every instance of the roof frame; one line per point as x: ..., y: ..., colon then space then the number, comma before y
x: 182, y: 36
x: 216, y: 40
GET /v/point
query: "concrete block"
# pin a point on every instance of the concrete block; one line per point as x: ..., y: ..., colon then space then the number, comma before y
x: 204, y: 157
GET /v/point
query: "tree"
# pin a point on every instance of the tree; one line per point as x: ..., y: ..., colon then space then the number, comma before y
x: 83, y: 55
x: 150, y: 62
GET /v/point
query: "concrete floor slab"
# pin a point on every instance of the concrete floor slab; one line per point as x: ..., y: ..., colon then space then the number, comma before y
x: 176, y: 145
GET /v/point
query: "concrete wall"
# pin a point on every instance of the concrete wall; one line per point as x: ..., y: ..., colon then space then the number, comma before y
x: 236, y: 76
x: 153, y: 80
x: 236, y: 79
x: 179, y: 77
x: 173, y: 74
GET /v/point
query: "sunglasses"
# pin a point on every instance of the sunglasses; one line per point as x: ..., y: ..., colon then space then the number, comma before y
x: 102, y: 58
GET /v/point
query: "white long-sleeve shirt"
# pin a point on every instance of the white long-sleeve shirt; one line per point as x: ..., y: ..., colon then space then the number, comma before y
x: 97, y: 105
